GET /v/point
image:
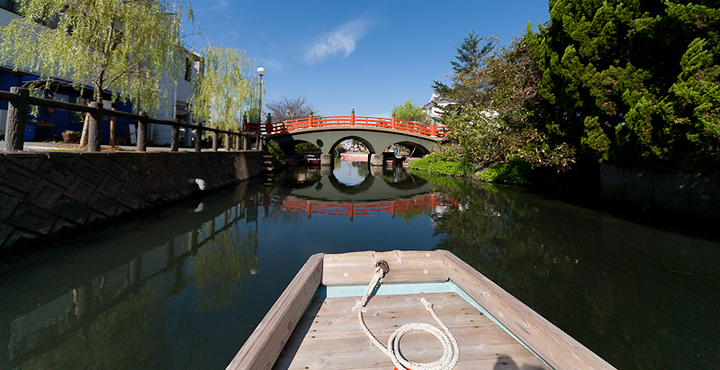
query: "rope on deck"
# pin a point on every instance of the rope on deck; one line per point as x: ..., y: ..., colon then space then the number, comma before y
x: 451, y: 349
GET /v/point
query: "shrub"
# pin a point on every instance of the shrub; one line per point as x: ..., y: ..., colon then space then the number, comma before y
x: 278, y: 157
x: 439, y: 164
x: 513, y: 172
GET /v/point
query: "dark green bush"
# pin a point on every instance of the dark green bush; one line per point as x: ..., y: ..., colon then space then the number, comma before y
x: 278, y: 157
x: 439, y: 164
x: 513, y: 172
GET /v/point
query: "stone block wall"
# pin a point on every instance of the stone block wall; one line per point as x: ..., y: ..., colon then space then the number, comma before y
x: 43, y: 195
x: 670, y: 191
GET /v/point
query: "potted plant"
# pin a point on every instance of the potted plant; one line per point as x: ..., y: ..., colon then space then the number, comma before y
x: 70, y: 136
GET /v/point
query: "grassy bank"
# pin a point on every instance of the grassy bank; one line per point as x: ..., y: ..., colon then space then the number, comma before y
x: 515, y: 172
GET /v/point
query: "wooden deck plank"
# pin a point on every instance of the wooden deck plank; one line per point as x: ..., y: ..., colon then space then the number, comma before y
x: 330, y: 337
x: 260, y: 351
x: 356, y: 268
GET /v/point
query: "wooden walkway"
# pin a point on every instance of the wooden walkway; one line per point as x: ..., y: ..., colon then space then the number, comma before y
x: 329, y: 336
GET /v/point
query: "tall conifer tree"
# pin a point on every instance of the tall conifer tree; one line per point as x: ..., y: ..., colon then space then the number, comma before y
x: 634, y: 82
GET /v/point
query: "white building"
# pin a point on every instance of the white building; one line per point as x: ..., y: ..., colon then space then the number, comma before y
x: 176, y: 100
x: 435, y: 105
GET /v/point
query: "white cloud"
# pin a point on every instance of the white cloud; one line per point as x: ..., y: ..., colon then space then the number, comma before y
x: 341, y: 40
x: 219, y: 5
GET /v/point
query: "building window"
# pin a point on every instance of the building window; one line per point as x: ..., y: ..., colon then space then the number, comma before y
x: 82, y: 101
x: 188, y: 69
x: 9, y: 5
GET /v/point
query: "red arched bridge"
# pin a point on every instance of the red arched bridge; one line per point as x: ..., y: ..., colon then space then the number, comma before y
x: 377, y: 134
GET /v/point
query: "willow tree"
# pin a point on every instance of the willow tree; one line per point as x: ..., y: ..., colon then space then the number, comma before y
x: 115, y: 46
x: 225, y: 87
x: 408, y: 111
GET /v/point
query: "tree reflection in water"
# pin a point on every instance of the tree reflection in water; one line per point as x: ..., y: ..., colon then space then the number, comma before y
x: 220, y: 266
x: 613, y: 285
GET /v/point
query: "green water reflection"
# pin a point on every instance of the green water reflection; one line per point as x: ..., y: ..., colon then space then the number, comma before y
x: 641, y: 297
x: 184, y: 288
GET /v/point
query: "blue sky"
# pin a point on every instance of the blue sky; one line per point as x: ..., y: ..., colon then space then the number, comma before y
x: 366, y: 55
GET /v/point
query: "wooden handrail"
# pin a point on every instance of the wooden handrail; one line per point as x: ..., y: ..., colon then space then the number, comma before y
x: 13, y: 98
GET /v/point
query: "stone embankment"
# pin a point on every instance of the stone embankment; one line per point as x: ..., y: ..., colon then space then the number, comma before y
x: 695, y: 196
x: 52, y: 194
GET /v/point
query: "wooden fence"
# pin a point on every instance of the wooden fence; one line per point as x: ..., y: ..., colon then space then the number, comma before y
x: 20, y: 100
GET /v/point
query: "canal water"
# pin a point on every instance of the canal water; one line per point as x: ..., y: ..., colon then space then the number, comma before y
x: 183, y: 288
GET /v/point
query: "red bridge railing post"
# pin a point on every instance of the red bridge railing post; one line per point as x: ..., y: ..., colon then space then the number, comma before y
x: 310, y: 120
x: 352, y: 118
x: 432, y: 129
x: 392, y: 121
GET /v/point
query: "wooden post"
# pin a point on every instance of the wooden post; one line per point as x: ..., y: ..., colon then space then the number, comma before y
x: 432, y: 129
x: 141, y: 132
x: 228, y: 141
x: 175, y: 137
x: 260, y: 142
x: 352, y: 118
x: 237, y: 140
x: 16, y: 119
x: 113, y: 119
x: 392, y: 121
x: 169, y: 252
x: 223, y: 219
x: 211, y: 228
x: 198, y: 138
x: 310, y: 120
x: 215, y: 140
x: 95, y: 127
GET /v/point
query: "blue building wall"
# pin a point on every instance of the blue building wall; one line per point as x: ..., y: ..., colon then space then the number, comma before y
x: 62, y: 119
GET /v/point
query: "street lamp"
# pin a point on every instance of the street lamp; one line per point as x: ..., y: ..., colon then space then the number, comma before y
x: 261, y: 73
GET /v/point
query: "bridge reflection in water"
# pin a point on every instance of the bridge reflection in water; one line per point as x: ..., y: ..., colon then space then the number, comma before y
x: 393, y: 207
x: 132, y: 295
x: 363, y: 190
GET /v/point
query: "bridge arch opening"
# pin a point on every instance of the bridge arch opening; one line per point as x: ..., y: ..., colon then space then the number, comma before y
x: 410, y: 149
x: 362, y: 141
x: 296, y: 148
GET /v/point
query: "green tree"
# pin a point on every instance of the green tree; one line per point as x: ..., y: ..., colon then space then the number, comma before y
x: 494, y: 90
x: 225, y: 87
x: 633, y: 83
x: 124, y: 47
x: 408, y: 111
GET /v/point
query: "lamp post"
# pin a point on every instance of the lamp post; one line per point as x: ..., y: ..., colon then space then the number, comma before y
x: 261, y: 73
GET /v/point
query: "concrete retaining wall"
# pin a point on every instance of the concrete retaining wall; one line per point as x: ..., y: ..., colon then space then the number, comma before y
x: 44, y: 195
x: 670, y: 191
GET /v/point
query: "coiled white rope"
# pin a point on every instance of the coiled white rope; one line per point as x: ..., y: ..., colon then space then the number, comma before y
x: 451, y: 349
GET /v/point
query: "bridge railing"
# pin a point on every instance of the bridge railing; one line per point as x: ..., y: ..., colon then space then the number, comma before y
x: 376, y: 122
x: 398, y: 206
